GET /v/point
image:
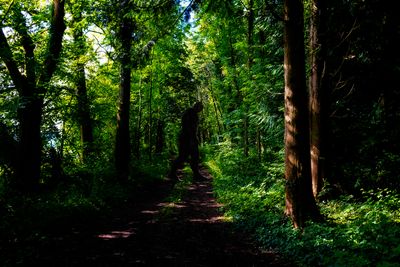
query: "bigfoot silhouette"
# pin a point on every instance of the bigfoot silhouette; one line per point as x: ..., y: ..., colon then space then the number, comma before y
x: 188, y: 142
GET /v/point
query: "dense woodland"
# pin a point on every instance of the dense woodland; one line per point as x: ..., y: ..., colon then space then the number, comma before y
x: 300, y: 127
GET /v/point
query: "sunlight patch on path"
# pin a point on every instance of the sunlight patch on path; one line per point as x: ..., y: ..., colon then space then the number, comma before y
x: 152, y: 212
x: 216, y: 219
x: 117, y: 234
x: 171, y: 205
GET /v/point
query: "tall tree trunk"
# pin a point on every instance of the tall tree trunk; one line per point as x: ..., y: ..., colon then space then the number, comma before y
x: 246, y: 133
x: 122, y: 144
x: 84, y: 117
x: 138, y: 135
x: 150, y: 125
x: 85, y: 120
x: 32, y: 89
x: 259, y: 144
x: 210, y: 88
x: 250, y: 29
x: 318, y: 96
x: 300, y: 203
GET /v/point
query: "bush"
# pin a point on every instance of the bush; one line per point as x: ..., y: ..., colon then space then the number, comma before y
x: 356, y: 232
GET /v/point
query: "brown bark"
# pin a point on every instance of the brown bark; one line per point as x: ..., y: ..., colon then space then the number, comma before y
x: 300, y: 204
x: 318, y: 94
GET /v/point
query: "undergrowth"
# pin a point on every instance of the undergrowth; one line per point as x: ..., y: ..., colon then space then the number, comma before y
x: 357, y: 232
x: 85, y: 196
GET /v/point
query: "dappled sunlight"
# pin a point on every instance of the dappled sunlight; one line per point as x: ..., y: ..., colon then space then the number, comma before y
x: 152, y: 212
x: 171, y: 205
x: 117, y: 234
x: 211, y: 205
x: 216, y: 219
x: 191, y: 187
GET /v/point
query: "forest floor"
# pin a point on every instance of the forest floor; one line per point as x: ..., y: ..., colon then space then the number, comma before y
x: 152, y: 230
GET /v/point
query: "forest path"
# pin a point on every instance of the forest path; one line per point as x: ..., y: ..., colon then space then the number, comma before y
x: 154, y: 231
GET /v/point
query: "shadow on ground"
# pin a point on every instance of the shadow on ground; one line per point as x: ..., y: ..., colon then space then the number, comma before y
x: 154, y: 232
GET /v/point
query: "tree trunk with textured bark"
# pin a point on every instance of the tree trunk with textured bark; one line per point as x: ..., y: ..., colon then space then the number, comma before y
x: 318, y: 96
x: 300, y: 203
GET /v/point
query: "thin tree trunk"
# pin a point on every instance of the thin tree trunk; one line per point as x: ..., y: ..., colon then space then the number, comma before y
x: 160, y: 136
x: 318, y: 97
x: 210, y: 88
x: 139, y: 120
x: 250, y: 29
x: 300, y: 203
x: 150, y: 143
x: 246, y: 134
x: 259, y: 144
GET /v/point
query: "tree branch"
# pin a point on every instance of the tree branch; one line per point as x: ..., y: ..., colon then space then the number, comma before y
x: 7, y: 11
x: 7, y: 57
x: 57, y: 29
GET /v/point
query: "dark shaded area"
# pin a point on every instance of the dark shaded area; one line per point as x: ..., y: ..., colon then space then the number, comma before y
x: 363, y: 80
x: 148, y: 231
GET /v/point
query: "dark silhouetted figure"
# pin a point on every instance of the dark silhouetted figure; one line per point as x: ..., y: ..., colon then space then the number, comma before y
x: 188, y: 142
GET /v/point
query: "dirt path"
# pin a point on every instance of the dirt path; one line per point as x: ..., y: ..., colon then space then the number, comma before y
x: 155, y: 232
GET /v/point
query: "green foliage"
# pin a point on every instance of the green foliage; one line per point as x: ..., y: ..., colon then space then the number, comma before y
x: 250, y: 190
x: 211, y: 59
x: 87, y: 194
x: 237, y: 85
x: 356, y: 232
